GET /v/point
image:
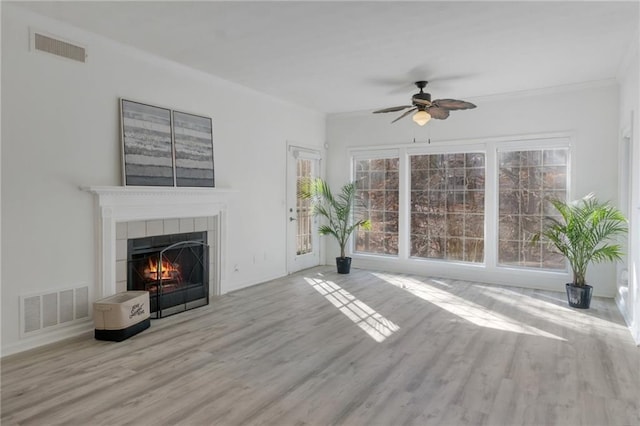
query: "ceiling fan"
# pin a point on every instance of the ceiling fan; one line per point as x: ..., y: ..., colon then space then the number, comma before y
x: 425, y: 108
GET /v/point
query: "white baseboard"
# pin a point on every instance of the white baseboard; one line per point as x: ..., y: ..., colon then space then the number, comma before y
x: 228, y: 288
x: 43, y: 339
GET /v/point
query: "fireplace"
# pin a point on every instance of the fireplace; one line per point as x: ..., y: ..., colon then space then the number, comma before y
x: 173, y: 268
x: 124, y: 213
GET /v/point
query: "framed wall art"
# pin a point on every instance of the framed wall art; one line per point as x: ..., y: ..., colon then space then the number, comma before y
x: 193, y: 145
x: 161, y: 147
x: 147, y: 144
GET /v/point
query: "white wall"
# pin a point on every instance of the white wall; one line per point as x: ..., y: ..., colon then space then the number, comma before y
x: 588, y: 113
x: 61, y: 130
x: 629, y: 126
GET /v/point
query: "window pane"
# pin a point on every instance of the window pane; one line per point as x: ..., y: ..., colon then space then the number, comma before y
x: 527, y: 180
x: 304, y: 243
x: 377, y: 188
x: 447, y: 206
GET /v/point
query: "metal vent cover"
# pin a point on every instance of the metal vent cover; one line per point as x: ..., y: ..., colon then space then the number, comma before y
x: 53, y: 309
x: 55, y: 46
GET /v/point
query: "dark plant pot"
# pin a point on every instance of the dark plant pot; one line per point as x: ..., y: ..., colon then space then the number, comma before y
x: 579, y: 296
x: 343, y: 264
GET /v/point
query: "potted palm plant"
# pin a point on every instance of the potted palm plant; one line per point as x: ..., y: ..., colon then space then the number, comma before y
x: 338, y: 211
x: 583, y: 233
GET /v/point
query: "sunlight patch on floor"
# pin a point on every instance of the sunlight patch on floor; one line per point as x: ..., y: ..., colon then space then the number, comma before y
x: 374, y: 324
x: 533, y: 306
x: 465, y: 309
x: 570, y: 318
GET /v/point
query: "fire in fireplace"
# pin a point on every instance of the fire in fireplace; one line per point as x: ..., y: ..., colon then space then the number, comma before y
x: 172, y: 268
x: 168, y: 271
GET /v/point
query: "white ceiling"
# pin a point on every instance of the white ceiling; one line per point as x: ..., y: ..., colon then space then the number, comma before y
x: 351, y: 56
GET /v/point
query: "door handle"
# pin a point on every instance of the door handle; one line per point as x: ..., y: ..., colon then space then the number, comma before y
x: 291, y: 219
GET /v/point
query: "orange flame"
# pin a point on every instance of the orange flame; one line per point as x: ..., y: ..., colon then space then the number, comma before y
x: 167, y: 270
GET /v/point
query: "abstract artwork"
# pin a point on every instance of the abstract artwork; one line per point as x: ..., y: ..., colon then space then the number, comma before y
x: 193, y: 144
x: 162, y: 147
x: 147, y: 145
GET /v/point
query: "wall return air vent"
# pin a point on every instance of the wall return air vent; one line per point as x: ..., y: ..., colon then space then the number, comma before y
x: 53, y: 309
x: 46, y: 43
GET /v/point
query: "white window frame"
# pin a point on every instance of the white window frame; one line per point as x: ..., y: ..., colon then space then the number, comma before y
x: 379, y: 155
x: 527, y: 145
x: 464, y: 270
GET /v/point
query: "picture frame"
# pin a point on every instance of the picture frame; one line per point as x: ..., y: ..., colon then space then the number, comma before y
x: 147, y: 145
x: 163, y: 147
x: 193, y: 150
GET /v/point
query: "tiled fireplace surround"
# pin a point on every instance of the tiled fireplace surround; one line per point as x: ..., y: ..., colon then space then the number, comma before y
x: 151, y: 228
x: 133, y: 212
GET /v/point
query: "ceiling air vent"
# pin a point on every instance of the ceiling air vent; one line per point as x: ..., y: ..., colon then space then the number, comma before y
x: 45, y: 43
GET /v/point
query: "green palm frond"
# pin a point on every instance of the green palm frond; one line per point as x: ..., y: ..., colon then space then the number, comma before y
x: 582, y: 233
x: 337, y: 210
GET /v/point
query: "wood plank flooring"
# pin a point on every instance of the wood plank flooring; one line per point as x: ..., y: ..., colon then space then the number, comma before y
x: 369, y: 348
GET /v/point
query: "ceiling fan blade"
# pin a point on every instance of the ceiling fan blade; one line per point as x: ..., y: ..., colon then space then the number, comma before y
x: 439, y: 113
x: 405, y: 114
x: 453, y: 104
x: 393, y: 109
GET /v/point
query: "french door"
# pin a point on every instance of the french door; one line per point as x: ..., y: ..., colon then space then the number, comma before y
x: 302, y: 227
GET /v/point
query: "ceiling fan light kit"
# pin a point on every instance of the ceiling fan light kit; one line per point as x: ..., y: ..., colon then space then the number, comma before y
x: 425, y: 109
x: 421, y: 117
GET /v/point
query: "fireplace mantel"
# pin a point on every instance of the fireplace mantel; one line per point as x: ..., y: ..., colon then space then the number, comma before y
x: 143, y: 203
x: 131, y: 203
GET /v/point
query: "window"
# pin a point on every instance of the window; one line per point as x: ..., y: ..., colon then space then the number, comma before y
x: 304, y: 242
x: 447, y: 206
x: 475, y: 203
x: 526, y: 181
x: 377, y: 188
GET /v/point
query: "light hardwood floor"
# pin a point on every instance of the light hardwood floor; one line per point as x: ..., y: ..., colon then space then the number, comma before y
x: 318, y: 348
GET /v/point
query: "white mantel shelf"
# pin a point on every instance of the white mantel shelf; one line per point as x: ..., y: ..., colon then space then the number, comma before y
x: 149, y: 190
x: 130, y: 203
x: 124, y: 203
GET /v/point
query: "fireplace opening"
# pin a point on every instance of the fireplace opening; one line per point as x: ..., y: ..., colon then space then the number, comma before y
x: 174, y: 269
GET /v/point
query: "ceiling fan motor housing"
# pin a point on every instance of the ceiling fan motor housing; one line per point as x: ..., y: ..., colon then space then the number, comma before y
x: 421, y: 96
